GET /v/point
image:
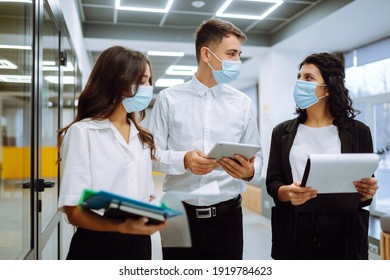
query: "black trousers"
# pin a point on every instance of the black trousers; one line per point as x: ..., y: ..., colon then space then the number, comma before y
x: 216, y: 238
x: 96, y: 245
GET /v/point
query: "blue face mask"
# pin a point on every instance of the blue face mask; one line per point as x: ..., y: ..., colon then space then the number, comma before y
x: 305, y: 94
x: 230, y: 70
x: 140, y: 100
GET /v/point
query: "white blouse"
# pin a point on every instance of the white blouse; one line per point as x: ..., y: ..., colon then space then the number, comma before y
x: 95, y: 156
x: 312, y: 140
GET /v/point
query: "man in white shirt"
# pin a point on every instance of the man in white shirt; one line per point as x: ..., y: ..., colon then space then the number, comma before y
x: 186, y: 121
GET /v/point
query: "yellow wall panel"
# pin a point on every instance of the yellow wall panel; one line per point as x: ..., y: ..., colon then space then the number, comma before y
x: 16, y: 162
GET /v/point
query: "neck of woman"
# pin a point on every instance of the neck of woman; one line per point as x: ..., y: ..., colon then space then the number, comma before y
x: 318, y: 117
x: 119, y: 116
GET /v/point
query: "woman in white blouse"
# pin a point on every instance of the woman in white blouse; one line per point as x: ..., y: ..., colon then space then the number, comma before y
x: 105, y: 148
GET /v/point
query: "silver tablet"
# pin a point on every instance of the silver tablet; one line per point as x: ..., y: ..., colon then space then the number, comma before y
x: 229, y: 149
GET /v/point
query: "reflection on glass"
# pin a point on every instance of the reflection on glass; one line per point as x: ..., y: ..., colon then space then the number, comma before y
x: 68, y: 112
x: 16, y: 62
x: 382, y: 144
x: 369, y: 86
x: 369, y: 79
x: 49, y: 104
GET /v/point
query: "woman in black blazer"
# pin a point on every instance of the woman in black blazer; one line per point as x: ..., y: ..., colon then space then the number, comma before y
x: 325, y: 124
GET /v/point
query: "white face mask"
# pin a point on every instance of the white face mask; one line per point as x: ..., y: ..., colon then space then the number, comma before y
x: 230, y: 70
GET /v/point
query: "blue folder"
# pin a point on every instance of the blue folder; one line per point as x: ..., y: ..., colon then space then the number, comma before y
x: 91, y: 199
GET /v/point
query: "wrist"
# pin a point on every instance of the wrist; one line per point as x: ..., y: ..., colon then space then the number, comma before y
x: 284, y: 193
x: 185, y: 161
x: 250, y: 178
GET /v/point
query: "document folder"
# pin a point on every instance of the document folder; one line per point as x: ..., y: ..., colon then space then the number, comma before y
x: 332, y: 175
x: 121, y: 207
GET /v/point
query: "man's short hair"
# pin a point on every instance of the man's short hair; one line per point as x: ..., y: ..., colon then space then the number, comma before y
x: 212, y: 31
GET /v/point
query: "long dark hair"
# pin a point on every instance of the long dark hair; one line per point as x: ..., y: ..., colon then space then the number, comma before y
x: 116, y: 69
x: 332, y: 71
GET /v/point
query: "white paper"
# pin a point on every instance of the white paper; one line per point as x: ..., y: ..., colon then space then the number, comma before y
x: 177, y: 232
x: 335, y: 173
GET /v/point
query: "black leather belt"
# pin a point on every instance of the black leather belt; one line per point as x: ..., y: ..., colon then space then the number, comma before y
x: 204, y: 212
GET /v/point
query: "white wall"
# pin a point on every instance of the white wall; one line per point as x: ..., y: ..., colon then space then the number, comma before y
x: 277, y: 77
x: 73, y: 24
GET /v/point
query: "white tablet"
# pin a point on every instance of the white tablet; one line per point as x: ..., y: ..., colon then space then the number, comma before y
x: 229, y: 149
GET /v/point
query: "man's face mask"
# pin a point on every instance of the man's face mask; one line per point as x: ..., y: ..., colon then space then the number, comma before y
x: 230, y: 70
x: 139, y: 101
x: 305, y: 94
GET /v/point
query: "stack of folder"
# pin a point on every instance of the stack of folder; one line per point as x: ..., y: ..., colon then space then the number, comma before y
x: 120, y: 207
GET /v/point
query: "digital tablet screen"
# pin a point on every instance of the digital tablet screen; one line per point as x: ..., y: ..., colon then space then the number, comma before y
x: 230, y: 149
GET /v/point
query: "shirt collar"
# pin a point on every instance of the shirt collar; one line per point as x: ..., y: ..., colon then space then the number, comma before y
x: 106, y: 124
x: 201, y: 88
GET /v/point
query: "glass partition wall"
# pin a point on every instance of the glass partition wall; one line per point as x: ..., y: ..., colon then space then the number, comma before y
x: 16, y: 71
x: 37, y: 69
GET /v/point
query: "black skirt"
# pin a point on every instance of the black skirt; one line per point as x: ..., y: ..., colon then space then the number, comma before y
x: 97, y: 245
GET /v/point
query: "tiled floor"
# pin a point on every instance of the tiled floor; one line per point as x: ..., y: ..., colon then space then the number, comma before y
x: 257, y: 236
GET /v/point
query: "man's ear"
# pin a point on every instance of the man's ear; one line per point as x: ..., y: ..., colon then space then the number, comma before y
x: 205, y: 54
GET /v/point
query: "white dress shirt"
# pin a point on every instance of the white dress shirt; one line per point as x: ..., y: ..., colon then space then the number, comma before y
x: 191, y: 116
x: 95, y: 156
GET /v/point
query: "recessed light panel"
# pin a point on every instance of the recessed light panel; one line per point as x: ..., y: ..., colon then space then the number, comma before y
x: 164, y: 10
x: 181, y: 70
x: 222, y: 9
x: 168, y: 82
x: 162, y: 53
x: 6, y: 64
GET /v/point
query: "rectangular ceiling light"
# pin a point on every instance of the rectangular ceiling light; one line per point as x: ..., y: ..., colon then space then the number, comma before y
x: 17, y: 1
x: 6, y: 64
x: 168, y: 82
x: 66, y: 80
x: 181, y: 70
x: 220, y: 12
x: 159, y: 53
x: 15, y: 47
x: 50, y: 66
x: 165, y: 10
x: 19, y: 79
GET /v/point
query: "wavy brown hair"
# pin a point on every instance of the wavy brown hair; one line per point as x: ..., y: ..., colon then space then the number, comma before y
x: 333, y: 73
x: 116, y: 69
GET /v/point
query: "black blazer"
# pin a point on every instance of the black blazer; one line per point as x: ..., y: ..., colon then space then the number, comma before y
x: 355, y: 137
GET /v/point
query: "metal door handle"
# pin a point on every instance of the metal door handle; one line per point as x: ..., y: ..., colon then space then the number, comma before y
x: 40, y: 184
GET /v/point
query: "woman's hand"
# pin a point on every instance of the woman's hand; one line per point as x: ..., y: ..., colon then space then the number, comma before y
x: 88, y: 219
x: 140, y: 226
x: 367, y: 187
x: 296, y: 194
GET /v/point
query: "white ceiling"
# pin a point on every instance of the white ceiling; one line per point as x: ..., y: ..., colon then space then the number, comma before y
x: 306, y: 26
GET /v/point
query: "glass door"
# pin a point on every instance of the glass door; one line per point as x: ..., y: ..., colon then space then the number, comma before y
x: 48, y: 116
x: 16, y: 71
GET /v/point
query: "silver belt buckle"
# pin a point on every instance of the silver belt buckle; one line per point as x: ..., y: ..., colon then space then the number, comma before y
x: 205, y: 213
